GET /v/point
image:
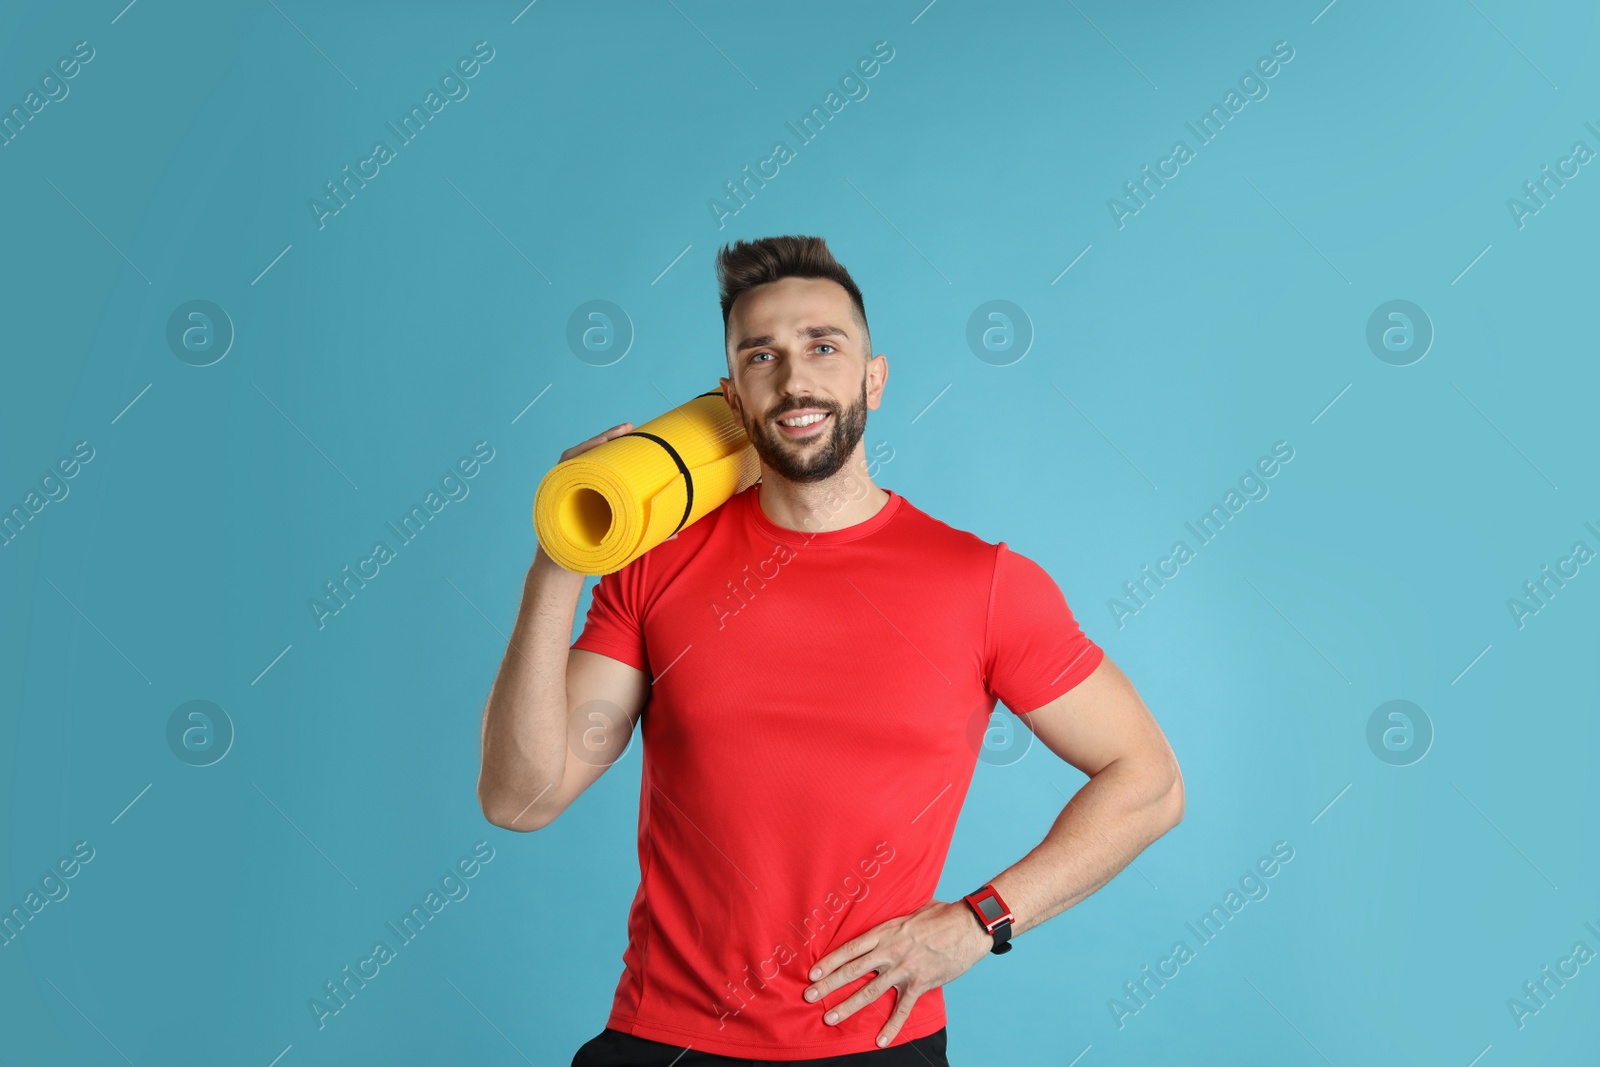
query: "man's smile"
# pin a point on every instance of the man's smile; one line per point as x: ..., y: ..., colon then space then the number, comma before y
x: 804, y: 424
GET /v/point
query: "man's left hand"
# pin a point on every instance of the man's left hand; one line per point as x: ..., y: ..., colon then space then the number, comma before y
x: 914, y: 953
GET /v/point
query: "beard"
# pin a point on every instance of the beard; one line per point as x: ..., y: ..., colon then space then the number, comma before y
x: 811, y: 460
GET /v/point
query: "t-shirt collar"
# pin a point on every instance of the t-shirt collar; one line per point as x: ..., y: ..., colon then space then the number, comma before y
x: 769, y: 529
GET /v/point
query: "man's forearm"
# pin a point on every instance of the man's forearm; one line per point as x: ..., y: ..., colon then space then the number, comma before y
x: 1114, y: 817
x: 525, y: 720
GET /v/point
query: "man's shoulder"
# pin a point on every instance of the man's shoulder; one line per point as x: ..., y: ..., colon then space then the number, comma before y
x: 934, y: 534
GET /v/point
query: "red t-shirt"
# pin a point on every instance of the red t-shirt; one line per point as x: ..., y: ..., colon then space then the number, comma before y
x: 818, y: 706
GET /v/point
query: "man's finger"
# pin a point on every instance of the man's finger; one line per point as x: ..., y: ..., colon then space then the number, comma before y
x: 845, y: 952
x: 868, y: 993
x: 904, y: 999
x: 846, y: 974
x: 597, y: 440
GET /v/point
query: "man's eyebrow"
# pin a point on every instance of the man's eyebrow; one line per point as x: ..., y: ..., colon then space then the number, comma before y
x: 806, y: 332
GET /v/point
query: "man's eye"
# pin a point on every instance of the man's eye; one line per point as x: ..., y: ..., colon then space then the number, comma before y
x: 825, y: 345
x: 758, y: 355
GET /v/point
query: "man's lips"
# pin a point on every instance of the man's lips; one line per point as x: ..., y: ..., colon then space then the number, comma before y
x: 804, y: 431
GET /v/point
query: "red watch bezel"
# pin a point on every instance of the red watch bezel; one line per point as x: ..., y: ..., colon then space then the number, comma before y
x: 973, y: 900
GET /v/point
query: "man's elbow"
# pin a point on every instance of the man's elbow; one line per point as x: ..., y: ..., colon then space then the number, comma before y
x: 524, y: 818
x: 1172, y: 796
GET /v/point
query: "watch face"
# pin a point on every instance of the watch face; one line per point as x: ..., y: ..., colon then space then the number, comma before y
x: 991, y: 909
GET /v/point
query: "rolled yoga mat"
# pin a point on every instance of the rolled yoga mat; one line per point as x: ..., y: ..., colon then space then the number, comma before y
x: 598, y: 512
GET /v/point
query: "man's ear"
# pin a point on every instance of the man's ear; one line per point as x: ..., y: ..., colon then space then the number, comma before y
x: 877, y: 378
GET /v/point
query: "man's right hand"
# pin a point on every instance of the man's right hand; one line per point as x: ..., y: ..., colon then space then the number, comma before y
x: 598, y: 439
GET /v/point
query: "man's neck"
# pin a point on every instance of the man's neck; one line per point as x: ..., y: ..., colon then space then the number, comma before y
x: 849, y: 498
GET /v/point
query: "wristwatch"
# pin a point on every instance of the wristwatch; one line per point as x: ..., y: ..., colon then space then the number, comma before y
x: 994, y: 915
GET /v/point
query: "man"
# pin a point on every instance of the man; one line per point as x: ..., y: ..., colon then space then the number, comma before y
x: 815, y: 663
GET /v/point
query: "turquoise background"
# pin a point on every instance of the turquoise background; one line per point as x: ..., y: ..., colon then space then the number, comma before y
x: 371, y: 353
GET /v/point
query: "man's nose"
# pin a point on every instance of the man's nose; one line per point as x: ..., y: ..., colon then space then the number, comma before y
x: 794, y: 379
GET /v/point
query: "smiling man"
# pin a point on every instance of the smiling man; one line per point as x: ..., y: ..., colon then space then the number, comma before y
x: 805, y: 761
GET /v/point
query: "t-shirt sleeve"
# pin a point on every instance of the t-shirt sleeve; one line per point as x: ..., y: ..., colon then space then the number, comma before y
x: 614, y: 625
x: 1034, y: 650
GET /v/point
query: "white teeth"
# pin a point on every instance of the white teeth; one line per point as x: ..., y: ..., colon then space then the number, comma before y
x: 804, y: 420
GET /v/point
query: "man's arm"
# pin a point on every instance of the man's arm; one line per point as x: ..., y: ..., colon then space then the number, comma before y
x: 1133, y: 796
x: 556, y: 717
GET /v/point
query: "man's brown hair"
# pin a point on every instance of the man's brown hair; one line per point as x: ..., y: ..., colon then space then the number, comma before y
x: 744, y: 265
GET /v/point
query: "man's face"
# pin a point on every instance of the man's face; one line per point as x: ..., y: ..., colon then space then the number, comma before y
x: 796, y: 349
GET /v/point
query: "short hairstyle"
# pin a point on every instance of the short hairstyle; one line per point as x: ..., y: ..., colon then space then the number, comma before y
x: 744, y: 265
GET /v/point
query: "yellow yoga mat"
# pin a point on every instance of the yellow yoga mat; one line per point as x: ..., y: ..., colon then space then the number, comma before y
x: 598, y: 512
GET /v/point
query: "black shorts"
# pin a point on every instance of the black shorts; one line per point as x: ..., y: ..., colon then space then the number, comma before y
x: 613, y: 1048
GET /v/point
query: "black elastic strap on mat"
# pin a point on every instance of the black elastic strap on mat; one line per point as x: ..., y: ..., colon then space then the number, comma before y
x: 683, y: 468
x: 688, y: 482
